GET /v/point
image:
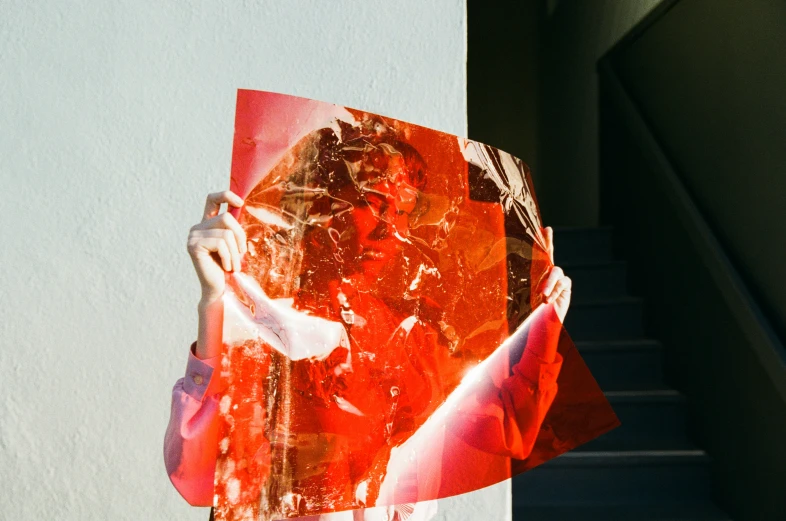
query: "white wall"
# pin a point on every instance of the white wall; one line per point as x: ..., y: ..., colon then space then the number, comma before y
x: 116, y: 121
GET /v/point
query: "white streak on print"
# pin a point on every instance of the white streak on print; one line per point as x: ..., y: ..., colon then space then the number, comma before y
x: 268, y: 217
x: 275, y: 322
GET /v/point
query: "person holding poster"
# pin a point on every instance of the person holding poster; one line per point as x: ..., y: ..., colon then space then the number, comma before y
x: 375, y: 360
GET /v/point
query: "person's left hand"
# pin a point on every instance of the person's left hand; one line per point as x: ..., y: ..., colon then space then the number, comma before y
x: 557, y: 287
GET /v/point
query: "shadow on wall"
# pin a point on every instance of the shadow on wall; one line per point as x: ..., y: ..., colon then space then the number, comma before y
x: 502, y: 77
x: 573, y: 37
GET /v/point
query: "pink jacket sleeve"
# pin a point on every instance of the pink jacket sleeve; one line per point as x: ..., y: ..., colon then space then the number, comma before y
x: 505, y: 419
x: 191, y: 440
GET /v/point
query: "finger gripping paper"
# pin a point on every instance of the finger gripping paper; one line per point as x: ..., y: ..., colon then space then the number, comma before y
x: 385, y: 343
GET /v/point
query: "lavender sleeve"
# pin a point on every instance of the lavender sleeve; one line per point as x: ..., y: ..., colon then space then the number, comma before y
x: 191, y: 440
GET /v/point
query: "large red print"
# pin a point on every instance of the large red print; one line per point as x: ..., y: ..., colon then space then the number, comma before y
x: 384, y: 343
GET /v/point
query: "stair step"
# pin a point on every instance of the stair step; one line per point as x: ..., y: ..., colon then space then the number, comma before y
x: 609, y: 319
x: 624, y: 365
x: 582, y: 244
x: 618, y: 477
x: 646, y: 469
x: 627, y: 444
x: 654, y: 419
x: 645, y: 512
x: 597, y: 280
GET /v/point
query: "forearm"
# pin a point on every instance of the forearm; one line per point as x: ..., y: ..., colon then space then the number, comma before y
x: 543, y: 333
x: 211, y: 324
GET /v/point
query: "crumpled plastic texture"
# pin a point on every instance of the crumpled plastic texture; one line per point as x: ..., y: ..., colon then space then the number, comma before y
x: 384, y: 344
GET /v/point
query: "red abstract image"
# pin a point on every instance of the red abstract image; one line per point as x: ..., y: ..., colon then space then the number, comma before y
x: 385, y: 344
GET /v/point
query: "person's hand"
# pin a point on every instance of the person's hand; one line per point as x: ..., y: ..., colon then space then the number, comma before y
x: 557, y: 287
x: 216, y: 245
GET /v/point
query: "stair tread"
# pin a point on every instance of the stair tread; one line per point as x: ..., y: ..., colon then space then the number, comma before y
x: 580, y: 229
x: 577, y: 264
x: 645, y: 395
x: 605, y: 301
x: 682, y: 453
x: 621, y: 344
x: 632, y: 443
x: 699, y: 511
x: 628, y: 458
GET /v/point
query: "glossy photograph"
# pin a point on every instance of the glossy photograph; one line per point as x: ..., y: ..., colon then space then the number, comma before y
x: 387, y: 341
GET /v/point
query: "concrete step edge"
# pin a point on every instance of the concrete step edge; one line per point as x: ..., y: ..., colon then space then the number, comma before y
x: 643, y: 458
x: 636, y: 344
x: 609, y: 301
x: 578, y: 229
x: 645, y: 511
x: 645, y: 396
x: 593, y: 264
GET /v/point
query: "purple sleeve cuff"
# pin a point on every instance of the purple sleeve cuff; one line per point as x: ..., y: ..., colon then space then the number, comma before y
x: 199, y: 374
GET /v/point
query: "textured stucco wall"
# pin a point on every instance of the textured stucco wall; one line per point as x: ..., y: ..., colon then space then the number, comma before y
x: 116, y: 121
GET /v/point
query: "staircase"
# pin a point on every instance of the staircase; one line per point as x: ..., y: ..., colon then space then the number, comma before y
x: 646, y: 469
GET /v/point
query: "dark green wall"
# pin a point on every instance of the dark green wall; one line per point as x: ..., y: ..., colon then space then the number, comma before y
x: 502, y: 77
x: 710, y: 80
x: 532, y: 90
x: 572, y: 38
x: 710, y: 77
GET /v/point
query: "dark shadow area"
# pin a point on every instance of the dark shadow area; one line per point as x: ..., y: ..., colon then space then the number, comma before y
x: 502, y: 77
x: 706, y: 79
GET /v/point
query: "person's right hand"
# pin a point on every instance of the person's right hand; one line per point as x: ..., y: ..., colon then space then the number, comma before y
x: 216, y: 245
x: 557, y: 288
